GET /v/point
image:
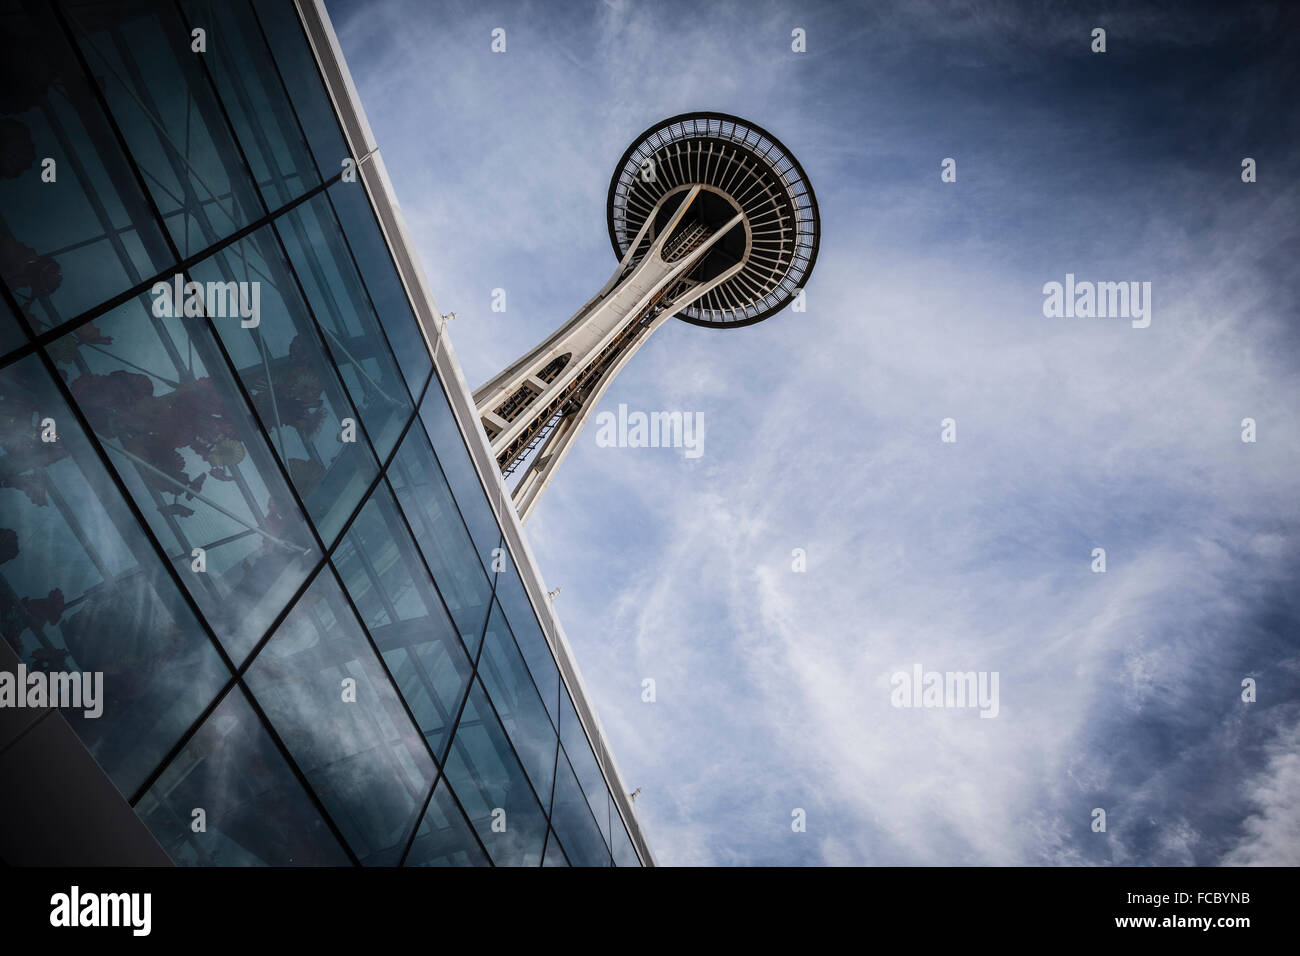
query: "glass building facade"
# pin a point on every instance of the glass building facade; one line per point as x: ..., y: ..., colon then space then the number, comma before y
x: 271, y: 539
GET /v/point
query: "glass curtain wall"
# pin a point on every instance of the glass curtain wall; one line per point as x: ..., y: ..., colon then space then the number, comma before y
x: 248, y: 505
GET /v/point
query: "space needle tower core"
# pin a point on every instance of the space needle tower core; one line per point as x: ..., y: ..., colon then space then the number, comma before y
x: 713, y: 221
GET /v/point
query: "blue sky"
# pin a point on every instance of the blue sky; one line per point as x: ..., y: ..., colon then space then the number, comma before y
x: 1118, y: 690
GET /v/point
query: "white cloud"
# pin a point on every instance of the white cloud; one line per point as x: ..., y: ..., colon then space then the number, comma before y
x: 1272, y: 833
x: 823, y: 434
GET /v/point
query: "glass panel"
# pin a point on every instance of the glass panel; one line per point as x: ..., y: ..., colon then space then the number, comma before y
x: 160, y: 398
x: 82, y: 589
x: 282, y: 363
x: 584, y: 762
x: 154, y: 85
x: 68, y: 245
x: 12, y: 334
x: 444, y: 837
x: 328, y: 698
x: 427, y: 503
x: 459, y: 469
x: 528, y: 635
x: 506, y: 678
x: 491, y: 786
x: 256, y: 811
x: 554, y: 852
x: 301, y: 78
x: 245, y: 76
x: 624, y: 853
x: 329, y: 278
x: 399, y: 605
x: 573, y: 821
x: 375, y: 261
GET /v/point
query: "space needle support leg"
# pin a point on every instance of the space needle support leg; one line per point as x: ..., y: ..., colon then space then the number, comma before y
x: 516, y: 406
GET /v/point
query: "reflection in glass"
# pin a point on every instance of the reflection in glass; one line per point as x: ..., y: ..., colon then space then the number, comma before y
x: 83, y: 590
x: 249, y: 87
x: 435, y: 521
x: 624, y: 854
x: 506, y: 678
x: 68, y: 246
x: 528, y: 635
x: 297, y: 68
x: 153, y: 83
x: 255, y: 811
x: 491, y: 785
x: 444, y: 837
x: 294, y: 387
x: 554, y: 852
x: 347, y: 320
x: 573, y: 821
x: 399, y: 606
x: 12, y: 335
x: 584, y: 763
x: 328, y: 698
x: 461, y: 475
x: 354, y: 212
x: 160, y: 398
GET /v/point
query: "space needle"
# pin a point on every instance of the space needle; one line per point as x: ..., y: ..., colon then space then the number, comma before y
x: 713, y: 221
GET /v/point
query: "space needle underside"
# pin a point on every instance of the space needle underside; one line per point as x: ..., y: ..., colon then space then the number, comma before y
x: 713, y: 221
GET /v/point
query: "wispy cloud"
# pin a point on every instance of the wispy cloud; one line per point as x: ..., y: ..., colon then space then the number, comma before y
x: 1119, y: 690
